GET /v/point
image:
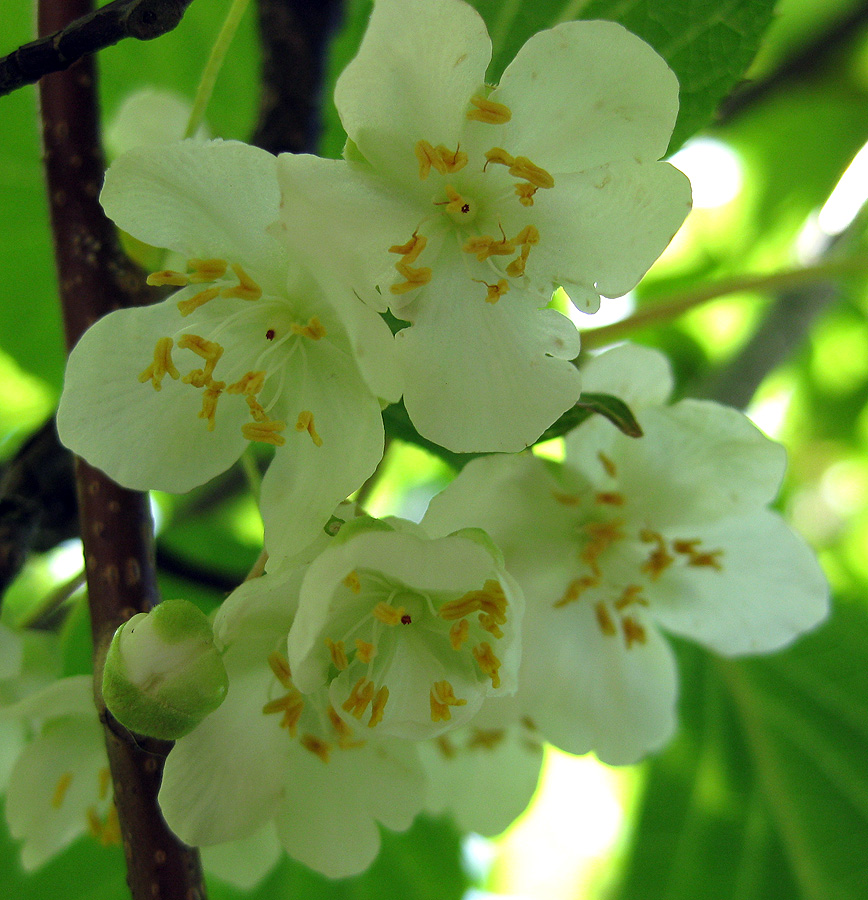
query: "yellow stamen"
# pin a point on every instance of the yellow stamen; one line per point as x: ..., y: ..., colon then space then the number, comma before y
x: 415, y: 278
x: 458, y: 633
x: 111, y: 830
x: 246, y: 289
x: 634, y: 633
x: 496, y: 291
x: 207, y: 270
x: 318, y: 747
x: 168, y: 277
x: 445, y: 746
x: 265, y: 432
x: 105, y: 782
x: 525, y: 193
x: 522, y: 167
x: 603, y: 535
x: 94, y: 825
x: 291, y: 705
x: 604, y: 620
x: 338, y: 654
x: 498, y: 156
x: 610, y: 498
x: 280, y: 666
x: 486, y: 738
x: 485, y: 245
x: 193, y: 303
x: 359, y: 698
x: 428, y: 157
x: 60, y: 790
x: 488, y: 662
x: 489, y: 623
x: 313, y: 330
x: 388, y: 615
x: 209, y: 402
x: 459, y: 607
x: 488, y: 111
x: 632, y: 594
x: 411, y: 250
x: 162, y: 364
x: 365, y: 651
x: 250, y: 383
x: 441, y: 697
x: 456, y: 204
x: 378, y: 706
x: 576, y: 588
x: 528, y: 235
x: 305, y: 423
x: 607, y: 464
x: 567, y: 499
x: 207, y: 350
x: 256, y: 409
x: 453, y: 160
x: 659, y: 559
x: 352, y: 582
x: 709, y: 560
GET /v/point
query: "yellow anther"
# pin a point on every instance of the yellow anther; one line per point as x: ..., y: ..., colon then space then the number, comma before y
x: 428, y: 157
x: 305, y: 423
x: 208, y: 350
x: 60, y: 789
x: 193, y: 303
x: 486, y: 738
x: 631, y: 595
x: 446, y: 747
x: 454, y: 160
x: 567, y: 499
x: 209, y: 403
x: 411, y: 250
x: 340, y: 726
x: 316, y: 745
x: 256, y: 409
x: 162, y: 364
x: 607, y: 464
x: 207, y: 270
x: 602, y: 535
x: 365, y: 651
x: 610, y: 498
x: 459, y: 607
x: 197, y: 377
x: 522, y: 167
x: 485, y: 245
x: 604, y: 620
x: 634, y: 633
x: 265, y: 432
x: 487, y: 662
x: 489, y: 623
x: 441, y: 697
x: 359, y: 698
x: 525, y: 193
x: 168, y: 277
x: 250, y: 384
x: 516, y: 268
x: 496, y: 291
x: 576, y: 588
x: 457, y: 204
x: 352, y: 582
x: 528, y: 235
x: 94, y: 823
x: 498, y: 156
x: 492, y: 600
x: 246, y: 289
x: 280, y: 666
x: 414, y: 278
x: 458, y: 633
x: 338, y: 654
x: 291, y: 706
x: 709, y: 560
x: 105, y: 782
x: 378, y: 706
x: 659, y: 559
x: 388, y: 615
x: 687, y: 548
x: 111, y: 832
x: 313, y: 330
x: 488, y: 111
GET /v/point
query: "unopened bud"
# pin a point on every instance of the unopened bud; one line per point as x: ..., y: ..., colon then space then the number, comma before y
x: 163, y: 674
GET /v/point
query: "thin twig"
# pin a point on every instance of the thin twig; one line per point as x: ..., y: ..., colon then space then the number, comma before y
x: 140, y: 19
x: 116, y: 527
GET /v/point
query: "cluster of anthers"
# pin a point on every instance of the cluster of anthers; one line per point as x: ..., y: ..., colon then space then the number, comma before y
x: 106, y: 830
x: 369, y: 646
x: 599, y: 535
x: 464, y: 202
x: 250, y: 381
x: 296, y: 715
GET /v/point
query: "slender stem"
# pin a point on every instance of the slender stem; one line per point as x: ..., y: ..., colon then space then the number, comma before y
x: 94, y: 278
x: 673, y: 306
x: 214, y: 65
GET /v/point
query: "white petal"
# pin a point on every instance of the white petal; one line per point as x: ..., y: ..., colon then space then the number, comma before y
x: 418, y: 65
x: 340, y: 215
x: 142, y: 438
x: 223, y: 781
x: 305, y: 482
x: 244, y: 863
x: 769, y: 590
x: 640, y: 376
x: 607, y: 226
x: 482, y: 376
x: 587, y: 93
x: 328, y: 821
x: 203, y: 200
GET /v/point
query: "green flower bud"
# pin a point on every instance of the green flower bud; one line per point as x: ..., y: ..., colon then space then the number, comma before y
x: 163, y: 674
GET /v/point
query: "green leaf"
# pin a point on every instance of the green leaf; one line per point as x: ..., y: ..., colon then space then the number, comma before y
x: 764, y: 794
x: 611, y: 408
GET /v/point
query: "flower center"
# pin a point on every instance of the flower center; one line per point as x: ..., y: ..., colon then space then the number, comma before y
x: 462, y: 207
x: 618, y: 560
x: 272, y: 337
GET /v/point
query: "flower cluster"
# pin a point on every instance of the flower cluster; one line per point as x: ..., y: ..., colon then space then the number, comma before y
x: 383, y: 668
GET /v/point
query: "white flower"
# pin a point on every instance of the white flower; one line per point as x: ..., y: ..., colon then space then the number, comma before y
x: 629, y: 536
x: 270, y: 758
x: 250, y: 348
x: 467, y: 206
x: 409, y: 634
